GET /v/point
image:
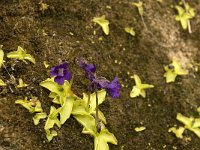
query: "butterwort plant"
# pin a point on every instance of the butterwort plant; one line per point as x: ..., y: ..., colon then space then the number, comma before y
x: 85, y: 110
x: 98, y: 83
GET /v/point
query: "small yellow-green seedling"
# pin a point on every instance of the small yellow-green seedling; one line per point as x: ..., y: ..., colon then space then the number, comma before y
x: 51, y: 134
x: 43, y: 6
x: 139, y: 129
x: 139, y: 88
x: 172, y: 70
x: 2, y: 83
x: 177, y: 131
x: 103, y: 23
x: 46, y: 65
x: 130, y: 31
x: 190, y: 123
x: 139, y: 7
x: 21, y: 84
x: 33, y: 105
x: 1, y: 55
x: 21, y: 55
x: 184, y: 15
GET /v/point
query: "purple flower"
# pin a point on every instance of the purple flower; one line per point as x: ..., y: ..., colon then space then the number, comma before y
x: 112, y: 88
x: 89, y: 68
x: 61, y: 72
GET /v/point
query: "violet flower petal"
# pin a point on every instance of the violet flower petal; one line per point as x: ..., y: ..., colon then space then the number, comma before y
x: 67, y: 75
x: 59, y: 80
x: 112, y: 88
x: 61, y: 73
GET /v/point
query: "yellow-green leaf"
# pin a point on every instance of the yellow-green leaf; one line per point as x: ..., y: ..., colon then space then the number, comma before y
x: 196, y: 123
x: 139, y: 88
x: 66, y: 109
x: 139, y: 7
x: 139, y: 129
x: 130, y: 30
x: 38, y: 106
x: 101, y: 97
x: 52, y: 86
x: 46, y: 65
x: 172, y: 70
x: 79, y: 108
x: 101, y: 140
x: 51, y: 121
x: 103, y: 23
x: 88, y: 122
x: 21, y: 84
x: 1, y: 56
x: 50, y: 134
x: 178, y: 132
x: 185, y: 120
x: 21, y: 55
x: 26, y: 104
x: 38, y: 116
x: 2, y: 83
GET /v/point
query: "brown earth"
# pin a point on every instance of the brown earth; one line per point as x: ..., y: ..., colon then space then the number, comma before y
x: 64, y: 32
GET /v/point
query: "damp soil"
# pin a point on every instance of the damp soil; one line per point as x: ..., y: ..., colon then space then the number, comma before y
x: 64, y: 32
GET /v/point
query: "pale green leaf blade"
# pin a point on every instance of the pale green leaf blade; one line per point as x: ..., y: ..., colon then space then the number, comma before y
x: 145, y: 86
x: 139, y: 7
x: 130, y: 31
x: 51, y: 121
x: 135, y: 92
x: 180, y: 10
x: 15, y: 54
x: 178, y: 132
x: 103, y: 23
x: 50, y: 134
x: 51, y: 86
x: 196, y: 123
x: 29, y: 58
x: 140, y: 129
x: 38, y: 116
x: 170, y: 76
x: 100, y: 144
x: 79, y: 108
x: 38, y: 107
x: 102, y: 117
x: 196, y: 131
x: 143, y: 93
x: 66, y: 109
x: 26, y: 104
x: 178, y: 68
x: 21, y: 84
x: 137, y: 79
x: 185, y: 120
x: 2, y: 83
x: 184, y: 23
x: 1, y: 56
x: 101, y: 97
x: 107, y: 136
x: 88, y: 122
